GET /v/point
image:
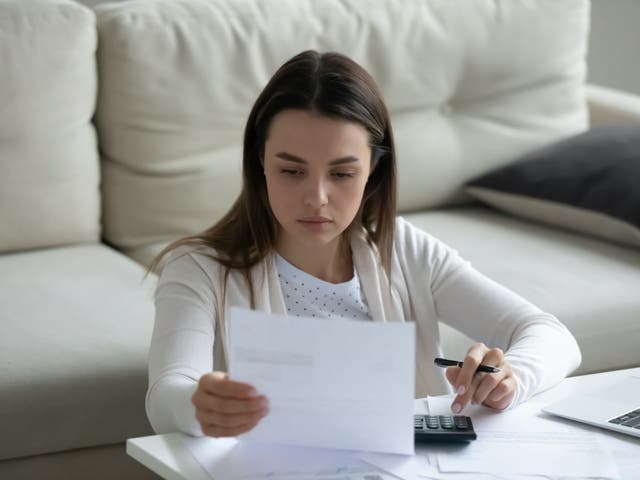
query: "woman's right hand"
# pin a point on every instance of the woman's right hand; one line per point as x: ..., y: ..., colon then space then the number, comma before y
x: 226, y: 408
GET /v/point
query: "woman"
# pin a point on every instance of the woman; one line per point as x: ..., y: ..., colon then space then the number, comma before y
x: 314, y: 233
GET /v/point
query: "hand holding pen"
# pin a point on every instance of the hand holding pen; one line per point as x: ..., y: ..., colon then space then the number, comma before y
x: 484, y: 377
x: 443, y: 362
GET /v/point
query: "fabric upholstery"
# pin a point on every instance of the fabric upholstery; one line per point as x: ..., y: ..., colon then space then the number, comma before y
x: 73, y: 363
x: 469, y: 89
x: 107, y: 462
x: 609, y: 106
x: 144, y: 255
x: 49, y: 171
x: 589, y: 285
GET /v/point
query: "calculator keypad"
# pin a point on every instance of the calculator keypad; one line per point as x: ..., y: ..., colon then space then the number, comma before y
x: 443, y: 428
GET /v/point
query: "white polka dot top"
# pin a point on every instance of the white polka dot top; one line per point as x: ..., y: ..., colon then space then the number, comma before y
x: 308, y: 296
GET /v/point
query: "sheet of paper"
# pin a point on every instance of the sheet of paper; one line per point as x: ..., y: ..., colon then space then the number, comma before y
x: 407, y: 467
x: 524, y: 440
x: 525, y: 417
x: 330, y: 383
x: 424, y: 465
x: 626, y: 450
x: 570, y: 454
x: 232, y: 459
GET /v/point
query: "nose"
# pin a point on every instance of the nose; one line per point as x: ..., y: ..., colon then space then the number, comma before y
x: 315, y: 195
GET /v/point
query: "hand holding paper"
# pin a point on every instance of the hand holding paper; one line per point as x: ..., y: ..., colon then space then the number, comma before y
x: 330, y: 383
x: 225, y: 408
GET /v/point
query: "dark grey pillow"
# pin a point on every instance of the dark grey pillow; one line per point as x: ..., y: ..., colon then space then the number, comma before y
x: 588, y: 183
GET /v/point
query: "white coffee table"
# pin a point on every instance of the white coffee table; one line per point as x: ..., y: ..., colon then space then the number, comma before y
x: 168, y: 456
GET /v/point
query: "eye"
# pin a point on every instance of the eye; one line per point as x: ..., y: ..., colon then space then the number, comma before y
x: 291, y: 172
x: 343, y: 175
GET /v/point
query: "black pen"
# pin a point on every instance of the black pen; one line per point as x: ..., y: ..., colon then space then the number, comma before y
x: 443, y: 362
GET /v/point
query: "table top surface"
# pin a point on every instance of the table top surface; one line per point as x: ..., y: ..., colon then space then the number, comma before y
x: 168, y: 456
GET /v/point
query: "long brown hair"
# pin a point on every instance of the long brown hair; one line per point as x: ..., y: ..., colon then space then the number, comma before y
x: 332, y: 85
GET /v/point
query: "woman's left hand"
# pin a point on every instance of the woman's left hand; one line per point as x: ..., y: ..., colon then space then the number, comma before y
x: 495, y: 390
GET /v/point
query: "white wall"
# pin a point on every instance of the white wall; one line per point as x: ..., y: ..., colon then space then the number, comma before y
x: 614, y: 44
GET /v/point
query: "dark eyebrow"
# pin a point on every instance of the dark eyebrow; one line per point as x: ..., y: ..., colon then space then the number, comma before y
x: 293, y: 158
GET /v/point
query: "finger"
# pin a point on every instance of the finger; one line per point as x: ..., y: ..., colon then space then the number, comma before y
x: 218, y: 383
x: 216, y: 431
x: 495, y: 357
x: 488, y: 384
x: 461, y: 401
x: 452, y: 375
x: 214, y: 403
x: 501, y: 391
x: 470, y: 365
x: 215, y: 419
x: 501, y: 404
x: 503, y: 394
x: 231, y: 405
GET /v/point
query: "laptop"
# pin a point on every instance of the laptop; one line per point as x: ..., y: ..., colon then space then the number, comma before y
x: 615, y: 406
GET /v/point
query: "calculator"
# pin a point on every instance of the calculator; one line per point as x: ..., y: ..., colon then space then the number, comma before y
x: 443, y: 428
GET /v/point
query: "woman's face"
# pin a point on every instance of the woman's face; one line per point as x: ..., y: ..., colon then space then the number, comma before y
x: 316, y: 170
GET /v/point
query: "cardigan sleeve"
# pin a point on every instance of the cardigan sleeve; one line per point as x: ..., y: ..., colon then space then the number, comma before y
x: 539, y: 348
x: 181, y: 349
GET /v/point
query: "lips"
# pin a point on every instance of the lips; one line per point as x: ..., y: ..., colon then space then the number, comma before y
x: 314, y: 220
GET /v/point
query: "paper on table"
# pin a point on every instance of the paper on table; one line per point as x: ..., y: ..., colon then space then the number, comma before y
x: 408, y: 467
x: 425, y: 461
x: 524, y: 441
x: 424, y: 465
x: 571, y: 454
x: 333, y: 384
x: 525, y: 417
x: 626, y: 450
x: 231, y: 459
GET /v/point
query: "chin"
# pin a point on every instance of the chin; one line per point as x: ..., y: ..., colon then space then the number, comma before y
x: 318, y: 238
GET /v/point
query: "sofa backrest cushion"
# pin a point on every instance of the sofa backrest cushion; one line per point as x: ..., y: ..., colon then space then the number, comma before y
x: 49, y: 168
x: 470, y: 87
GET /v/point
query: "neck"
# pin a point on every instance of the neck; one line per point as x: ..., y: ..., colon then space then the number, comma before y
x: 332, y: 263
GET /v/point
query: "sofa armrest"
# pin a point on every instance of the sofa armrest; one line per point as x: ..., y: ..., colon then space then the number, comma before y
x: 607, y: 105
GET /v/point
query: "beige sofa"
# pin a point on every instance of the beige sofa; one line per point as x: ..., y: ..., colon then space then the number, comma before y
x: 121, y: 129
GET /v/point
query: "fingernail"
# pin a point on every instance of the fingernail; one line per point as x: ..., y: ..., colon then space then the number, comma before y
x: 253, y: 392
x: 461, y: 390
x: 455, y: 408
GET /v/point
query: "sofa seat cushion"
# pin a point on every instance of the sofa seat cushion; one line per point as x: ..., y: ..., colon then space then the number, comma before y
x: 590, y: 285
x: 76, y: 325
x: 145, y: 255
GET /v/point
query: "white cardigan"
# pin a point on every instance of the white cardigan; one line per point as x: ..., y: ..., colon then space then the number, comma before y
x: 430, y: 283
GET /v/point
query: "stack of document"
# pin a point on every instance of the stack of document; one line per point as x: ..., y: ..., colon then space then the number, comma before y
x: 335, y: 388
x: 343, y: 384
x: 518, y: 444
x: 341, y: 408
